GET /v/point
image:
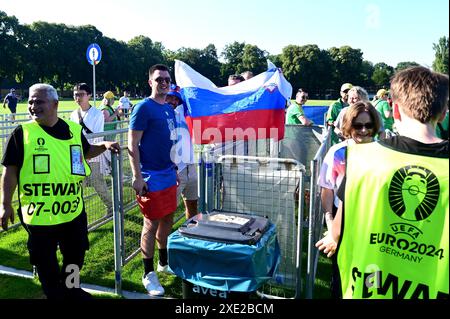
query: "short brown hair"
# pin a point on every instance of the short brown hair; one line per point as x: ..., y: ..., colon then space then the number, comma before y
x: 353, y: 111
x: 421, y: 93
x: 160, y: 67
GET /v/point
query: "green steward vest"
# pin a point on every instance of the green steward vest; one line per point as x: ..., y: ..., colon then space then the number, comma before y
x: 51, y: 178
x: 395, y: 228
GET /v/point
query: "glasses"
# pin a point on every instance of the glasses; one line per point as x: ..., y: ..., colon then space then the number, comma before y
x: 359, y: 126
x: 79, y: 94
x: 161, y: 80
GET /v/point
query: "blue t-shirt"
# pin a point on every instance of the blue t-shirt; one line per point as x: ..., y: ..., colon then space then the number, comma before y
x: 158, y: 123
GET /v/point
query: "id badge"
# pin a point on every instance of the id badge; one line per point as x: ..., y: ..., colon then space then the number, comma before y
x: 76, y: 157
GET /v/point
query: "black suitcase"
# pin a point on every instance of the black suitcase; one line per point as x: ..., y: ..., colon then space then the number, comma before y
x: 225, y: 227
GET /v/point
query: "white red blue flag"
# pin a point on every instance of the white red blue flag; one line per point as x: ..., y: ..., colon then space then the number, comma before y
x: 252, y: 109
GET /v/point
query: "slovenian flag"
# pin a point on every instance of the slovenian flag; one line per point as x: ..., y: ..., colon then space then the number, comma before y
x: 252, y: 109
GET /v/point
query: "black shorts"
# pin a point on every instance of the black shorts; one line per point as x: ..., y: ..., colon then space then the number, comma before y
x: 12, y: 108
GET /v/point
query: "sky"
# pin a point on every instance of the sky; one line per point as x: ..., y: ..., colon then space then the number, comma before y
x: 389, y: 31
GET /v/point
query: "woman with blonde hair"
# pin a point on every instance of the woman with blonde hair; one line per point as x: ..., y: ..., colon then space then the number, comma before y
x: 355, y: 94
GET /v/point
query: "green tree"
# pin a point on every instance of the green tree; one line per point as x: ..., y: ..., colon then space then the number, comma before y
x: 240, y: 57
x: 10, y: 48
x: 440, y: 63
x: 204, y: 61
x: 382, y: 74
x: 232, y: 54
x: 404, y: 65
x: 145, y: 53
x: 306, y: 67
x: 347, y: 65
x: 253, y: 59
x: 366, y: 74
x: 275, y: 59
x: 115, y: 69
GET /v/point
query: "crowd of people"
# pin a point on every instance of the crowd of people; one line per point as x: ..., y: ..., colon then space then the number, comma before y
x: 407, y: 124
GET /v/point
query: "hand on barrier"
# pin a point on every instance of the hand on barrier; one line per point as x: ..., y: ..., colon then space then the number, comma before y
x: 327, y: 244
x: 113, y: 147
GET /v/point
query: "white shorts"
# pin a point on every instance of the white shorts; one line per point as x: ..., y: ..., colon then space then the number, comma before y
x: 188, y: 183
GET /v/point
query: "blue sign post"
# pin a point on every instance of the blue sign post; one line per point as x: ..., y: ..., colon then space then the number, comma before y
x: 93, y: 55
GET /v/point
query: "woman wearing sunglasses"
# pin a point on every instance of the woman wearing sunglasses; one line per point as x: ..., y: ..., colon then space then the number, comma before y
x: 360, y: 124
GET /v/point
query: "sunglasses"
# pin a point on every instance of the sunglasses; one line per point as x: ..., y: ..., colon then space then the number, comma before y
x: 80, y: 94
x: 359, y: 126
x: 161, y: 80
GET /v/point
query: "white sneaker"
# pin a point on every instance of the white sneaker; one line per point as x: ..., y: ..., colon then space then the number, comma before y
x: 165, y: 269
x: 151, y: 283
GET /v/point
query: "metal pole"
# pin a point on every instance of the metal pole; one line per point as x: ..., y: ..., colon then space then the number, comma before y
x: 298, y: 259
x: 116, y: 221
x: 93, y: 80
x: 209, y: 180
x: 201, y: 182
x: 311, y: 232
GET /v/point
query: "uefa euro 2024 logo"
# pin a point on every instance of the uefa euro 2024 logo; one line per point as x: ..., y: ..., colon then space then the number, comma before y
x: 413, y: 193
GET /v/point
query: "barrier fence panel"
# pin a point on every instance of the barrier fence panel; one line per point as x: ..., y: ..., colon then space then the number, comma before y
x: 301, y: 143
x: 316, y: 216
x: 128, y: 219
x: 267, y: 187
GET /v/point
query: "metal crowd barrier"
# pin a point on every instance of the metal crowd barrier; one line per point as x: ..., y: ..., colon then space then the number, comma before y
x: 268, y: 187
x: 316, y: 215
x: 127, y: 218
x: 219, y: 183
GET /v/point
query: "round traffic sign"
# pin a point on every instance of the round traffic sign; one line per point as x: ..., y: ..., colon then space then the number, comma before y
x: 93, y: 53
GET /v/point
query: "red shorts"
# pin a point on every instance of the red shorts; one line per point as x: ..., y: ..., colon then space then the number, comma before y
x: 156, y: 205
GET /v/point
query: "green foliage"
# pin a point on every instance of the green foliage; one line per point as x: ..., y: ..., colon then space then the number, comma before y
x: 306, y: 66
x: 404, y: 65
x: 204, y: 61
x: 347, y: 65
x: 9, y: 43
x: 240, y: 57
x: 440, y: 63
x: 55, y: 54
x: 253, y: 59
x: 382, y: 74
x: 144, y: 54
x: 365, y: 75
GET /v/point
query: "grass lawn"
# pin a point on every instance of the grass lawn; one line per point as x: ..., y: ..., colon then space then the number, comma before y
x: 70, y: 105
x: 99, y: 267
x: 64, y: 105
x: 318, y: 103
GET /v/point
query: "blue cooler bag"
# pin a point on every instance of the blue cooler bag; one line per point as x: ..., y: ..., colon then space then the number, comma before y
x: 225, y: 251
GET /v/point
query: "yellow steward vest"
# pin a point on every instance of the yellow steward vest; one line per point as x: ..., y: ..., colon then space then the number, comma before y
x: 50, y: 180
x: 395, y: 228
